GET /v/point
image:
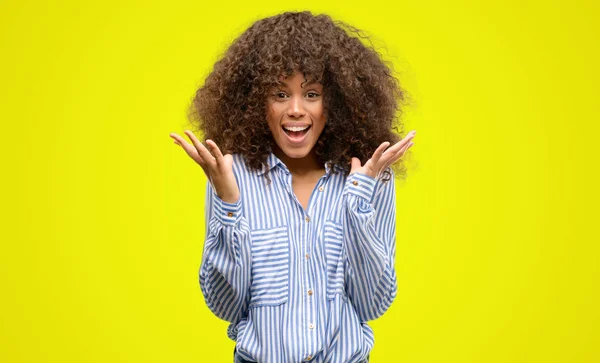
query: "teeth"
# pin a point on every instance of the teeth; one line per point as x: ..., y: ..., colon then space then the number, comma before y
x: 296, y: 128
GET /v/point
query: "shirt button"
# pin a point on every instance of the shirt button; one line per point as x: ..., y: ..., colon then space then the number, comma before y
x: 355, y: 182
x: 321, y: 189
x: 310, y: 292
x: 307, y: 256
x: 309, y: 357
x: 311, y: 326
x: 307, y: 219
x: 229, y: 214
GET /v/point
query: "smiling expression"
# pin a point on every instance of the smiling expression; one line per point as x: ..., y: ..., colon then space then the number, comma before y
x: 295, y: 115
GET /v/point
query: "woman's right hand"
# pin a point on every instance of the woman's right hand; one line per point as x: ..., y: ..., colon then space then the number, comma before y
x: 217, y: 167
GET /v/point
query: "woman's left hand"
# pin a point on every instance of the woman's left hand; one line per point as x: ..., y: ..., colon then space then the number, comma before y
x: 383, y: 158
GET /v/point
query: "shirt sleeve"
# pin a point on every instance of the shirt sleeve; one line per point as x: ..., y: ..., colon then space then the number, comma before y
x: 225, y: 269
x: 370, y: 244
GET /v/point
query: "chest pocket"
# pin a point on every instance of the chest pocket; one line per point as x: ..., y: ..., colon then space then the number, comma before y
x: 270, y: 267
x: 333, y: 241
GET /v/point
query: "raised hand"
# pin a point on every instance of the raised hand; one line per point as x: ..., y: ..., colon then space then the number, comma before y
x: 383, y: 158
x: 217, y: 167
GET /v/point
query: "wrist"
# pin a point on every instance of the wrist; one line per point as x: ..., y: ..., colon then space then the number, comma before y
x: 360, y: 184
x: 229, y: 198
x: 227, y: 211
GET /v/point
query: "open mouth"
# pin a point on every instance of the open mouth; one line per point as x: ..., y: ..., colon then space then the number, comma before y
x: 296, y: 132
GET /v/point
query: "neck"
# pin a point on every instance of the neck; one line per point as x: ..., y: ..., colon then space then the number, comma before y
x: 300, y: 166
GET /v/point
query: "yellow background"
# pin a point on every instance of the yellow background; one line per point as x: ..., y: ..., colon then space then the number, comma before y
x: 102, y: 215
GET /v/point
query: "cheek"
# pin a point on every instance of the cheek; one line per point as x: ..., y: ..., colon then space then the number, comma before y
x: 272, y: 121
x: 318, y: 110
x: 270, y: 114
x: 319, y: 114
x: 273, y: 112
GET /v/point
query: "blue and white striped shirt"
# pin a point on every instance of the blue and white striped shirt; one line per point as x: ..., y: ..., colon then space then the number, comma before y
x: 299, y: 285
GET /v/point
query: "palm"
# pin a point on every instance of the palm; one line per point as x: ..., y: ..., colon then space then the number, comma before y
x: 370, y: 168
x: 217, y: 167
x: 383, y: 158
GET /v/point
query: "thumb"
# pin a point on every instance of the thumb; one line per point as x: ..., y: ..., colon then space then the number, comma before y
x: 228, y: 158
x: 355, y: 164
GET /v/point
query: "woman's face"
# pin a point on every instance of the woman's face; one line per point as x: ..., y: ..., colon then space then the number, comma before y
x: 295, y: 115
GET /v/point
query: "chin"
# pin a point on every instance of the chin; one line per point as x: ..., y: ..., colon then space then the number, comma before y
x: 296, y: 152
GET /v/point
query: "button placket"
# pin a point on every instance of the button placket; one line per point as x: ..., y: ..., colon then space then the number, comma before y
x: 309, y: 286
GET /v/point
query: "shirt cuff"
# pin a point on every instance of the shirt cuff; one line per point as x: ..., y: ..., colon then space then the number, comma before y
x: 361, y: 185
x: 227, y: 213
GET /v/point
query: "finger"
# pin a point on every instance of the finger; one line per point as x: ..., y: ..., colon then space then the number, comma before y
x: 189, y: 149
x: 208, y: 158
x: 215, y: 151
x: 178, y: 139
x: 402, y: 151
x: 175, y: 141
x: 405, y: 148
x: 397, y: 156
x: 386, y: 156
x: 378, y: 152
x: 354, y: 164
x: 175, y: 138
x: 411, y: 134
x: 402, y: 143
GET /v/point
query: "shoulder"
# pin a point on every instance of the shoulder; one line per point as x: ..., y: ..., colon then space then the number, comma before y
x: 238, y: 160
x: 239, y: 163
x: 242, y: 169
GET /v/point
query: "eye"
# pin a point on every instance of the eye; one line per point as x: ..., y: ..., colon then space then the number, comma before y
x: 312, y: 94
x: 280, y: 94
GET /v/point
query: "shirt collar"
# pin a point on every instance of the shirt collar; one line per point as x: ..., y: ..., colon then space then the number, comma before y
x: 273, y: 161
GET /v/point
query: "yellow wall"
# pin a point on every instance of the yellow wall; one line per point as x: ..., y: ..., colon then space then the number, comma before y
x: 102, y: 216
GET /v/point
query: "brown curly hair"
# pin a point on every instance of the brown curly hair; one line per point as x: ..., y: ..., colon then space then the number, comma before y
x: 361, y: 96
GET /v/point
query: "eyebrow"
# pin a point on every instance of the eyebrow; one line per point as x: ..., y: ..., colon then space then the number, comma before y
x: 303, y: 83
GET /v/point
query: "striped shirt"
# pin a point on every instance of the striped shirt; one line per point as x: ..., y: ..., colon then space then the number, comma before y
x: 299, y: 285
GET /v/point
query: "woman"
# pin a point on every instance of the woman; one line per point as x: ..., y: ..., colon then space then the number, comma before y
x: 300, y: 209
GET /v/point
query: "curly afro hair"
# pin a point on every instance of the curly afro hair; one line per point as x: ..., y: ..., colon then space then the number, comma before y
x: 361, y: 96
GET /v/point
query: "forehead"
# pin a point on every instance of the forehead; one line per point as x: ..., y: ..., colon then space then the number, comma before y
x: 306, y: 80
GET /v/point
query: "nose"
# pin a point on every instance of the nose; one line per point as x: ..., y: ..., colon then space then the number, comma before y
x: 296, y: 108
